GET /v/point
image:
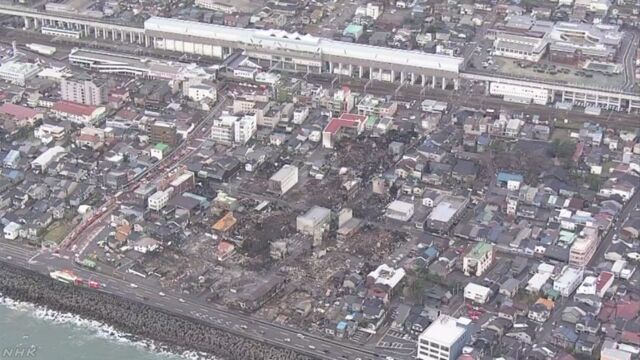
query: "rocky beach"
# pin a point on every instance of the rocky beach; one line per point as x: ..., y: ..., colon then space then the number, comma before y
x: 174, y: 332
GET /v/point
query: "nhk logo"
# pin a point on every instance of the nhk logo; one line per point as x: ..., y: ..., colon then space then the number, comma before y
x: 18, y: 352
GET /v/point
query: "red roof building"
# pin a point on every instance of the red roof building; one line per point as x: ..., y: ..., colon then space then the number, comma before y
x: 346, y: 124
x: 604, y: 282
x: 17, y: 116
x: 77, y: 113
x: 625, y: 309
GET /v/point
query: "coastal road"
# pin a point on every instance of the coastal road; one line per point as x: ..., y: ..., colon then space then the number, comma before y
x: 143, y: 290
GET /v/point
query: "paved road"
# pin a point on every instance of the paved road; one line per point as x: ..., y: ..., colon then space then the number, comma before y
x: 628, y: 61
x: 212, y: 314
x: 608, y: 238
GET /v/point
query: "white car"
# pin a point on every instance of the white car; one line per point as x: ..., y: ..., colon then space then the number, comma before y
x: 161, y: 293
x: 287, y: 340
x: 133, y: 286
x: 181, y: 300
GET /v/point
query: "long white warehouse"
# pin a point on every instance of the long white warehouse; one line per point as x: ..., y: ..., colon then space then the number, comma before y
x: 281, y: 50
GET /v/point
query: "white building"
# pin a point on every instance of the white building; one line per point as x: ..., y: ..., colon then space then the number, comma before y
x: 386, y: 276
x: 300, y: 115
x: 230, y: 129
x: 77, y: 113
x: 197, y: 90
x: 313, y: 220
x: 601, y: 6
x: 48, y: 131
x: 444, y: 338
x: 537, y: 281
x: 433, y: 106
x: 520, y: 47
x: 11, y: 160
x: 307, y: 52
x: 373, y: 10
x: 400, y: 210
x: 18, y: 73
x: 158, y: 200
x: 477, y: 261
x: 216, y: 6
x: 371, y: 105
x: 477, y: 293
x: 521, y: 94
x: 584, y: 247
x: 12, y: 231
x: 568, y: 280
x: 284, y: 179
x: 604, y: 281
x: 46, y: 158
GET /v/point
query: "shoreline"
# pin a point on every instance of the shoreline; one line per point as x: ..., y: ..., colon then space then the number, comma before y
x: 136, y: 321
x: 99, y: 330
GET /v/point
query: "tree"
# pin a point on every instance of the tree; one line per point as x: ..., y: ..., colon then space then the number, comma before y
x: 594, y: 182
x: 415, y: 289
x: 562, y: 149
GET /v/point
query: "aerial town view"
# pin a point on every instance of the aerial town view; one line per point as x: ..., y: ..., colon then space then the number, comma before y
x: 319, y: 179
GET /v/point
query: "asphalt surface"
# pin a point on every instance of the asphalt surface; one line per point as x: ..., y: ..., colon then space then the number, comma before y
x: 628, y: 60
x: 135, y: 288
x: 627, y: 209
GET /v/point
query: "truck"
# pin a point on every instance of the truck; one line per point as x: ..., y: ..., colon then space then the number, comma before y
x: 64, y: 276
x: 68, y: 277
x: 90, y: 264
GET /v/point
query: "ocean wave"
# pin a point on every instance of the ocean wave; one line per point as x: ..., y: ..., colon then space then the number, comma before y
x: 101, y: 330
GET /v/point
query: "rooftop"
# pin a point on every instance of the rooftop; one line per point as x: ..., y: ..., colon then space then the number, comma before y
x: 345, y: 120
x: 480, y: 250
x: 161, y: 146
x: 317, y: 213
x: 69, y: 107
x: 445, y: 330
x: 283, y: 173
x: 17, y: 111
x: 225, y: 223
x: 282, y: 40
x: 386, y: 275
x: 446, y: 210
x: 18, y: 67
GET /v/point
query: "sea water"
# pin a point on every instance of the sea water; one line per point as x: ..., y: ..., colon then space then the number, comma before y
x: 31, y: 332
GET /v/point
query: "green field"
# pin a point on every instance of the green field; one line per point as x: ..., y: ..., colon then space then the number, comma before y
x: 57, y: 232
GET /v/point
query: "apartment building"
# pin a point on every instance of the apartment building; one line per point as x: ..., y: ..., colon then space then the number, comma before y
x: 477, y: 261
x: 164, y: 132
x: 84, y: 89
x: 229, y: 129
x: 159, y: 200
x: 584, y: 247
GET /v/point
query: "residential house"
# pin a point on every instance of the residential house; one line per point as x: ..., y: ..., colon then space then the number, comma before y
x: 564, y: 337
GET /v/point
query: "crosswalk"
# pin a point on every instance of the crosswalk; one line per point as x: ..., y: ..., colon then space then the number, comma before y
x: 361, y: 337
